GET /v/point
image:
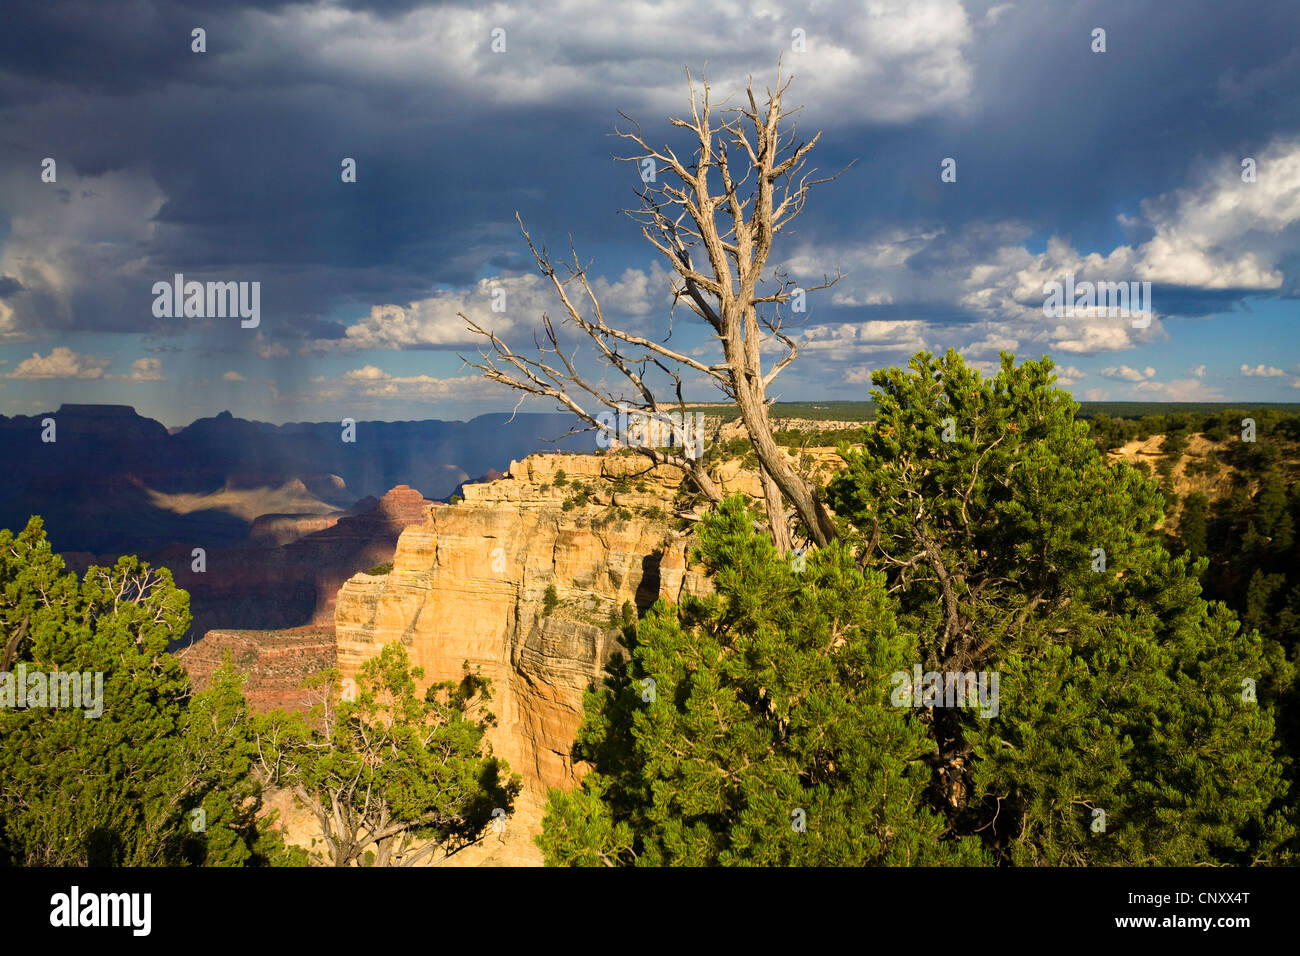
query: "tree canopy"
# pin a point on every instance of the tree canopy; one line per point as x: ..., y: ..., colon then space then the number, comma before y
x: 981, y: 531
x: 1015, y: 545
x: 160, y: 776
x: 754, y: 726
x: 392, y: 778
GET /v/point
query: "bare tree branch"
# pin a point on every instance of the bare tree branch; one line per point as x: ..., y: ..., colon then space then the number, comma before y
x: 715, y: 221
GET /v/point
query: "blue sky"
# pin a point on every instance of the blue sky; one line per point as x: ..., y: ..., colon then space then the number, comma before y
x: 1123, y: 165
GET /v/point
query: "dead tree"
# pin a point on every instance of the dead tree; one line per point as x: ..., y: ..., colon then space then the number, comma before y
x: 714, y: 217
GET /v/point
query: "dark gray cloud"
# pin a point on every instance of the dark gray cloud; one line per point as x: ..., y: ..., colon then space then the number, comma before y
x: 226, y: 164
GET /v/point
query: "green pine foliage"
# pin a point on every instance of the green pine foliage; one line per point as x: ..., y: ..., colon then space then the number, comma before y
x: 1248, y: 534
x: 161, y: 776
x: 1192, y: 525
x: 393, y: 778
x: 983, y: 532
x: 1146, y: 709
x: 754, y: 726
x: 1121, y: 688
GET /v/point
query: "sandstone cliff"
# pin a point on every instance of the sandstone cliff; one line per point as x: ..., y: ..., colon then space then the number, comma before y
x: 469, y: 585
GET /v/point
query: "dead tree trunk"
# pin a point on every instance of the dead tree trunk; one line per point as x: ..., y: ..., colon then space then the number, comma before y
x: 699, y: 210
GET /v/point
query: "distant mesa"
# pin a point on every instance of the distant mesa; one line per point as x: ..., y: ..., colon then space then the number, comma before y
x: 403, y: 504
x: 119, y: 483
x: 276, y: 662
x: 97, y: 411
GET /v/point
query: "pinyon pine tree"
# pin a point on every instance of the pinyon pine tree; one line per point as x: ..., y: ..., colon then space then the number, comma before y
x: 161, y: 776
x: 754, y: 726
x: 393, y: 778
x: 1127, y: 731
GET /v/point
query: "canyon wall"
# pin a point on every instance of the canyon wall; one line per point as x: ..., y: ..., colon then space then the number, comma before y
x: 469, y: 585
x: 275, y: 663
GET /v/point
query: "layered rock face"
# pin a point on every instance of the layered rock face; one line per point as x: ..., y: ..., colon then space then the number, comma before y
x: 469, y: 585
x: 275, y: 662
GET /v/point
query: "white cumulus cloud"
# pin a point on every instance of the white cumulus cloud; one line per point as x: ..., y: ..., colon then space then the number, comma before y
x: 62, y: 362
x: 145, y: 370
x: 1261, y: 371
x: 1124, y: 373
